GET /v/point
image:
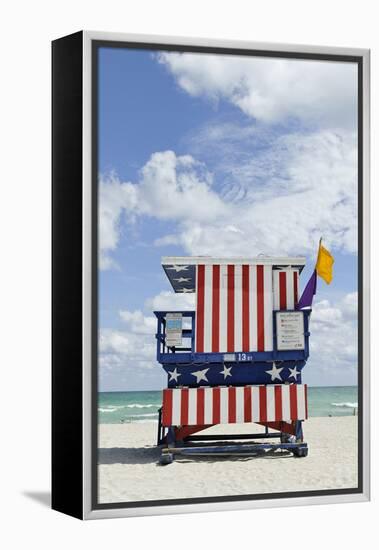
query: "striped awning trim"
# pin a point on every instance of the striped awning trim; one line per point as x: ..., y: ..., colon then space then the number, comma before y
x: 230, y: 405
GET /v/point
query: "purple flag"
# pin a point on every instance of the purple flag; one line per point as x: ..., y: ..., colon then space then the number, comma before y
x: 308, y: 293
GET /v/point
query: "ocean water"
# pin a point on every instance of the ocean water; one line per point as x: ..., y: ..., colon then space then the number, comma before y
x: 142, y: 406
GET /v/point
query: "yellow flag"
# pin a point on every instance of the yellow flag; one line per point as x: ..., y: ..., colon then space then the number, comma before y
x: 324, y: 265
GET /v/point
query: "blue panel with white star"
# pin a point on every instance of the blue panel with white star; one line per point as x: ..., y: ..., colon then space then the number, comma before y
x: 181, y: 277
x: 217, y: 374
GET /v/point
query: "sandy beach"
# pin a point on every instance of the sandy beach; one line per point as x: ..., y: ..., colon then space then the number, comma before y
x: 129, y: 470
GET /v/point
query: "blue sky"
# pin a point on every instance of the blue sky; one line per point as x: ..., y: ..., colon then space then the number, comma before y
x: 202, y: 154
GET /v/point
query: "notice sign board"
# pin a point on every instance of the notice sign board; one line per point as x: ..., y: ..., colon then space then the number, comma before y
x: 174, y: 329
x: 290, y: 330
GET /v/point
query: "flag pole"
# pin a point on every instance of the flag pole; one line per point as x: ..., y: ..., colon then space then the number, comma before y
x: 318, y: 253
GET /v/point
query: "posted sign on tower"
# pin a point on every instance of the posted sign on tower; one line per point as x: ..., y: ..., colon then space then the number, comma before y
x: 174, y: 329
x: 290, y: 330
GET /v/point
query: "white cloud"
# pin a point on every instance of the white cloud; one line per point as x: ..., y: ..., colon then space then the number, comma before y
x: 310, y: 189
x: 127, y: 360
x: 177, y: 187
x: 273, y: 193
x: 170, y: 187
x: 333, y: 342
x: 324, y: 314
x: 282, y: 200
x: 126, y: 343
x: 349, y: 305
x: 271, y: 90
x: 168, y: 300
x: 138, y: 323
x: 127, y: 355
x: 114, y: 198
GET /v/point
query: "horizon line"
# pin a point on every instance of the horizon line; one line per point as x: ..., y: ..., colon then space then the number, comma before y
x: 161, y: 389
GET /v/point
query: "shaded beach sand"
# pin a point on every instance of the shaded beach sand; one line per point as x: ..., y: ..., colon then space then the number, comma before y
x: 128, y: 469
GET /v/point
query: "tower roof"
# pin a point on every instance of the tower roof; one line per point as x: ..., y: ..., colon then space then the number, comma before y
x: 181, y: 270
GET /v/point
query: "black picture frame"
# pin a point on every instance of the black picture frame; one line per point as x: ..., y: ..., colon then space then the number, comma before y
x: 75, y: 143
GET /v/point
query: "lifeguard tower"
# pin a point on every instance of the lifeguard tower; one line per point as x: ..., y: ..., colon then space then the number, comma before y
x: 237, y: 358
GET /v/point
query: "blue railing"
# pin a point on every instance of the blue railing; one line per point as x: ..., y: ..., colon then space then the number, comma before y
x: 187, y: 333
x: 187, y: 354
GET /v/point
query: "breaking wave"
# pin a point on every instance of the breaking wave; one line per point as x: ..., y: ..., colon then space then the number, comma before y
x: 108, y: 409
x: 114, y: 408
x: 140, y: 406
x: 346, y: 405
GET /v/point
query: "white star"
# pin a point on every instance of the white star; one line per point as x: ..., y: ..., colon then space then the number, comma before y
x: 178, y: 268
x: 183, y: 280
x: 294, y: 372
x: 174, y: 375
x: 185, y: 290
x: 275, y: 373
x: 200, y: 375
x: 226, y: 371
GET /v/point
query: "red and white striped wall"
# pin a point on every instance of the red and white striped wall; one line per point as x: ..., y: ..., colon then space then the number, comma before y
x: 286, y: 288
x: 231, y: 405
x: 234, y: 308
